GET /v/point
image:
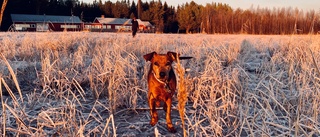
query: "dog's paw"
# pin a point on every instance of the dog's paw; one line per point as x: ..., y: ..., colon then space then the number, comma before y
x: 153, y: 122
x: 172, y: 129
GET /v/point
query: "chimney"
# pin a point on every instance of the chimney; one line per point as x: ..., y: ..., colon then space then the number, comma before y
x: 102, y: 16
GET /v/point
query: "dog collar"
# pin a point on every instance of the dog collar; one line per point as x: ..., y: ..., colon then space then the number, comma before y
x: 166, y: 86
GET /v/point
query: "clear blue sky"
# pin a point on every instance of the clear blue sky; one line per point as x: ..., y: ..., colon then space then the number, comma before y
x: 305, y: 5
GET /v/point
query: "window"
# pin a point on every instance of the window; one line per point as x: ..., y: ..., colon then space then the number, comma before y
x: 118, y: 27
x: 97, y: 26
x: 21, y: 26
x: 42, y: 27
x: 87, y: 26
x: 69, y: 26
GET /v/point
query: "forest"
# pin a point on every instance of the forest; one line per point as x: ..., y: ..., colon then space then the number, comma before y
x: 212, y: 18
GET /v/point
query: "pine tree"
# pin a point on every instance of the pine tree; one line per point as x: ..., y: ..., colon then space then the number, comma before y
x: 189, y: 16
x: 157, y: 16
x: 133, y: 10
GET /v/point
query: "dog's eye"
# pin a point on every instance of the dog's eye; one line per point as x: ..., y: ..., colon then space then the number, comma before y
x: 156, y: 63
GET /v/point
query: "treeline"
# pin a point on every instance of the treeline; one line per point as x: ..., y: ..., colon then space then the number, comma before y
x: 221, y: 18
x: 217, y: 18
x: 190, y: 17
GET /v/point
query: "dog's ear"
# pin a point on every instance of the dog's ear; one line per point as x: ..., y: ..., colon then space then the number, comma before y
x: 149, y: 56
x: 173, y: 56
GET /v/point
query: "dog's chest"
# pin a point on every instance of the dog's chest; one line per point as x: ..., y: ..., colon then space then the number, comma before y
x: 163, y: 93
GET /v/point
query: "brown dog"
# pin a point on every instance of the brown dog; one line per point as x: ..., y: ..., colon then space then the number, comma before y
x: 162, y: 84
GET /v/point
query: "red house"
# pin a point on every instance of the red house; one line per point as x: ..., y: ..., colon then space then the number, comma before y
x: 26, y: 22
x: 119, y: 24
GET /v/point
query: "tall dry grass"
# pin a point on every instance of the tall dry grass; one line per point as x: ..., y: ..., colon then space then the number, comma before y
x: 94, y: 84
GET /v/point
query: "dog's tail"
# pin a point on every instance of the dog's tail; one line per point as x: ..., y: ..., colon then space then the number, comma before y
x: 183, y: 58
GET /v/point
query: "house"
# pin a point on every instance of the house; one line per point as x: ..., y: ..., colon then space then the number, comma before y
x: 119, y: 24
x: 26, y: 22
x: 114, y: 24
x: 40, y: 23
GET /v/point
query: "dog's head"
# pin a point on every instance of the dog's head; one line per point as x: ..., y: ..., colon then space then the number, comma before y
x: 161, y: 63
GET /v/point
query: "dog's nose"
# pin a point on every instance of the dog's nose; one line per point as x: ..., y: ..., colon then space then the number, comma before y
x: 162, y: 74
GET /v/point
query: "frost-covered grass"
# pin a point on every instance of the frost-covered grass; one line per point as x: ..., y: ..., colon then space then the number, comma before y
x: 93, y: 84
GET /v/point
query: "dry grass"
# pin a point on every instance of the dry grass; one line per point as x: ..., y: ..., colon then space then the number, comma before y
x: 94, y: 84
x: 182, y: 94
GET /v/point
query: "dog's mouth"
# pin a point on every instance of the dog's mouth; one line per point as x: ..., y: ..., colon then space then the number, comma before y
x: 162, y: 79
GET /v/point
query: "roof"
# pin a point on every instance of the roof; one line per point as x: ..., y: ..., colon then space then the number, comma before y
x: 121, y: 21
x: 113, y: 21
x: 44, y: 18
x: 146, y: 23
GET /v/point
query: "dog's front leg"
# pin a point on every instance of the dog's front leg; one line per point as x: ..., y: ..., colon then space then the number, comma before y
x: 153, y: 111
x: 168, y: 116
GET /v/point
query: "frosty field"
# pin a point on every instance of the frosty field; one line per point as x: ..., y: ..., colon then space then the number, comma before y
x: 94, y: 84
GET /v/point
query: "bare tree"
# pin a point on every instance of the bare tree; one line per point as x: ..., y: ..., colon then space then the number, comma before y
x: 4, y: 4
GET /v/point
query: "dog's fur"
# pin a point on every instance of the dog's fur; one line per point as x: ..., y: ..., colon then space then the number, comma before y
x: 162, y: 84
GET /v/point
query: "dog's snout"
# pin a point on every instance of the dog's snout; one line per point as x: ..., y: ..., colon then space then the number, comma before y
x: 162, y: 74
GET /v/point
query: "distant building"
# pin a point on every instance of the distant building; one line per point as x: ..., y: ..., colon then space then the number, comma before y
x: 113, y: 24
x: 26, y: 22
x: 41, y: 23
x: 117, y: 25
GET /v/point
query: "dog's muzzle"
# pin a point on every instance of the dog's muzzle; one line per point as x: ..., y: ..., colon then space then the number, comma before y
x: 165, y: 83
x: 162, y: 74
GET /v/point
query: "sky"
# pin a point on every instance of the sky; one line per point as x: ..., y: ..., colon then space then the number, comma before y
x: 305, y: 5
